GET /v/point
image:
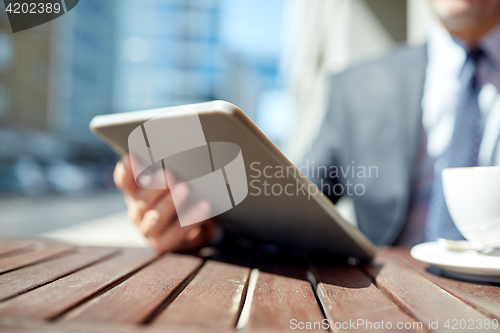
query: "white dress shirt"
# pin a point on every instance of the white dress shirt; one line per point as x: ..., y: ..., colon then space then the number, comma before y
x: 446, y: 56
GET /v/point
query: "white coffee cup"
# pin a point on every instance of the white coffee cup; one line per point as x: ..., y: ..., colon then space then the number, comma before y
x: 473, y: 199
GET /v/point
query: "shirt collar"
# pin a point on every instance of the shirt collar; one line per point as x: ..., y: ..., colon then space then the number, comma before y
x: 449, y: 53
x: 446, y: 53
x: 491, y: 45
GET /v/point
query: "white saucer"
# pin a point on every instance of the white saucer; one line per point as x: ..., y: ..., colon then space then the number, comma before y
x: 469, y: 264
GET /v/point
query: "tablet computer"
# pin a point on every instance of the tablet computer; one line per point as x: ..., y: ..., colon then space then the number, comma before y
x: 271, y: 202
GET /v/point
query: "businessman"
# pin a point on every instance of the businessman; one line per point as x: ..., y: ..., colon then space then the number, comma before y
x: 411, y: 114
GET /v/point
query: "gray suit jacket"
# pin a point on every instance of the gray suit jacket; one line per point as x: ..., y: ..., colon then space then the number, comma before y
x: 374, y: 120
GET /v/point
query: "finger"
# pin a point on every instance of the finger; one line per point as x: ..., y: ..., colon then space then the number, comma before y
x: 124, y: 177
x: 153, y: 178
x: 196, y: 238
x: 162, y: 214
x: 137, y: 208
x: 173, y: 237
x: 196, y: 213
x: 143, y: 199
x: 160, y: 185
x: 132, y: 209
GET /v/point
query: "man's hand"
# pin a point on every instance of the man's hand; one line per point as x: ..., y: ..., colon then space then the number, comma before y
x: 153, y: 211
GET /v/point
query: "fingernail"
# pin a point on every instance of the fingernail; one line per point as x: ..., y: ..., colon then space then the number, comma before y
x: 151, y: 219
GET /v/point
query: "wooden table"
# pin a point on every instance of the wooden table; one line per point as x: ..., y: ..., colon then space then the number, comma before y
x: 54, y: 287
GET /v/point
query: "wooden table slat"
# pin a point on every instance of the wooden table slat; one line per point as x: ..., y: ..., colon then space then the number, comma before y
x: 282, y: 293
x: 136, y: 298
x: 483, y: 296
x: 23, y: 279
x: 54, y: 298
x: 216, y: 293
x: 87, y: 289
x: 8, y: 246
x: 41, y: 252
x: 419, y: 296
x: 9, y: 324
x: 348, y: 295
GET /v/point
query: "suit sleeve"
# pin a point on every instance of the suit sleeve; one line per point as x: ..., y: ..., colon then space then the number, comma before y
x: 325, y: 152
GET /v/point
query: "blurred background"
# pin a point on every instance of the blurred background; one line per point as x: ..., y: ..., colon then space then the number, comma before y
x: 269, y: 57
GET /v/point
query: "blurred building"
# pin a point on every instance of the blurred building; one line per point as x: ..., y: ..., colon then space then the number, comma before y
x: 84, y: 66
x: 24, y: 95
x: 253, y: 32
x: 23, y: 75
x: 174, y: 52
x: 169, y: 53
x: 53, y: 79
x: 116, y: 56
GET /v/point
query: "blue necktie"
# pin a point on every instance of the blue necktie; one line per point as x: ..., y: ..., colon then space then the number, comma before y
x: 462, y: 152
